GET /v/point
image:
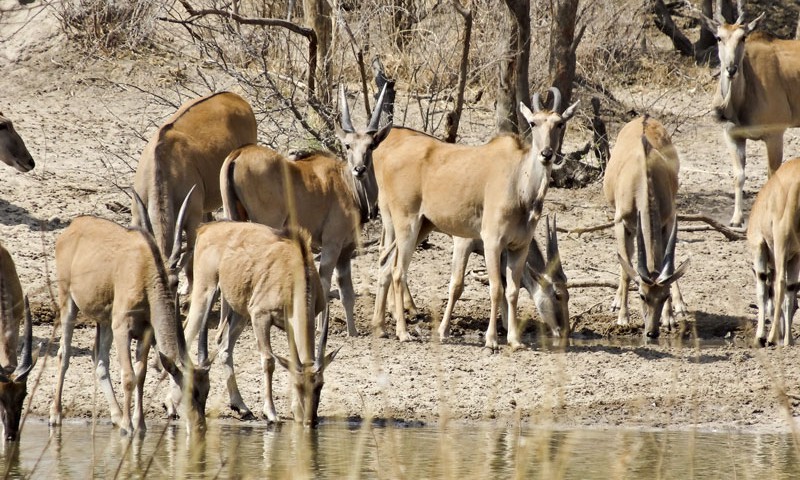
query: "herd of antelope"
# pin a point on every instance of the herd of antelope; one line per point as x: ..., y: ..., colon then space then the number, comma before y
x: 280, y: 209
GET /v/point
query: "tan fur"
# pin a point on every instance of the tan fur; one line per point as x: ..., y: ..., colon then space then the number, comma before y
x: 116, y: 277
x: 641, y: 185
x: 266, y: 277
x: 13, y: 376
x: 773, y: 234
x: 543, y: 278
x: 493, y: 192
x: 316, y: 192
x: 188, y: 149
x: 12, y: 148
x: 758, y: 94
x: 11, y: 311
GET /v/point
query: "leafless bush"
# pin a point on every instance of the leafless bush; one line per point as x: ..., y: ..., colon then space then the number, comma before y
x: 110, y: 26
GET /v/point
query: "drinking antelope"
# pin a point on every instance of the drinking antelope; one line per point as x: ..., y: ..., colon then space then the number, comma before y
x: 543, y: 278
x: 266, y: 277
x: 116, y: 276
x: 13, y: 376
x: 640, y: 184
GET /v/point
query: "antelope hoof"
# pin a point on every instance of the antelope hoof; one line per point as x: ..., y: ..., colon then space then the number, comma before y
x: 353, y: 332
x: 492, y: 346
x: 760, y: 342
x: 622, y: 322
x: 380, y: 332
x: 515, y: 346
x: 270, y: 417
x: 404, y: 336
x: 243, y: 412
x: 55, y: 420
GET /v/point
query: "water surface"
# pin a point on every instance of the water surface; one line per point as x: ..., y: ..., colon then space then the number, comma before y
x: 341, y: 449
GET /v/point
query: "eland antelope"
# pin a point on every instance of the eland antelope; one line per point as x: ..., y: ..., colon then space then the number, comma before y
x: 324, y: 195
x: 13, y: 376
x: 493, y: 192
x: 116, y: 276
x: 543, y: 278
x: 12, y: 149
x: 268, y: 277
x: 640, y: 184
x: 758, y: 95
x: 773, y: 234
x: 188, y: 149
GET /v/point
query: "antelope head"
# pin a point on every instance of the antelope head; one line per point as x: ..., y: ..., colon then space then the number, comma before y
x: 730, y: 48
x: 547, y: 126
x: 551, y: 297
x: 654, y: 287
x: 307, y: 379
x: 359, y: 144
x: 12, y: 149
x: 190, y: 378
x: 14, y: 385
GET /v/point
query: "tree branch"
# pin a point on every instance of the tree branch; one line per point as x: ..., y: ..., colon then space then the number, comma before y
x: 308, y: 33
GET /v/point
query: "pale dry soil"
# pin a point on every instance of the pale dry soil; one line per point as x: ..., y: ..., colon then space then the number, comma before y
x: 83, y: 123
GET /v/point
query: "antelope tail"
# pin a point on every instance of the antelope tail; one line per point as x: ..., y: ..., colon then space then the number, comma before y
x: 232, y: 206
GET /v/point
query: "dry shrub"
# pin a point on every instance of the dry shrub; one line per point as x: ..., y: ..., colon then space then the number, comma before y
x: 107, y: 27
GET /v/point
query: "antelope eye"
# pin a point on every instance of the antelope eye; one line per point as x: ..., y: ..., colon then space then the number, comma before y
x: 717, y: 38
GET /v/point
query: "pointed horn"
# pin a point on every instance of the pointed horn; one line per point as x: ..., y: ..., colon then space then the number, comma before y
x: 668, y: 267
x: 641, y: 264
x: 740, y: 11
x: 202, y: 339
x: 536, y: 102
x: 26, y: 362
x: 347, y: 124
x: 143, y: 216
x: 323, y: 342
x: 294, y: 357
x: 553, y: 253
x: 375, y: 121
x: 556, y: 98
x: 176, y: 242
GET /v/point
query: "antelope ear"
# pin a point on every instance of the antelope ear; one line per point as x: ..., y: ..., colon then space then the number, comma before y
x: 170, y: 366
x: 678, y: 273
x: 340, y: 133
x: 327, y: 360
x: 628, y: 269
x: 752, y: 25
x: 381, y: 135
x: 526, y: 112
x: 282, y: 361
x: 570, y: 111
x: 22, y: 376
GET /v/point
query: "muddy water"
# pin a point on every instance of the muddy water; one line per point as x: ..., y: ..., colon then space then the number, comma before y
x: 394, y: 450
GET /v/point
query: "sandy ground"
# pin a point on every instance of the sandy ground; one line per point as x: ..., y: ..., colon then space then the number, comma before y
x: 84, y: 126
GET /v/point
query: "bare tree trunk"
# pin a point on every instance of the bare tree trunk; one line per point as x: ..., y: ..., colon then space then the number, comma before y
x: 506, y: 103
x: 454, y: 117
x: 513, y: 86
x: 317, y: 15
x: 563, y: 44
